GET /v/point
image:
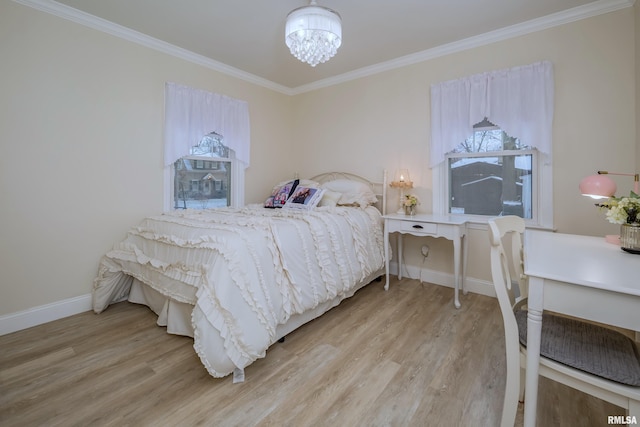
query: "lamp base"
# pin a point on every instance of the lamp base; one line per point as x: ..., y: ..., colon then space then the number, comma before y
x: 614, y: 239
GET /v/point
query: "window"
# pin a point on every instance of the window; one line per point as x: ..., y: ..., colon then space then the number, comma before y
x: 518, y: 100
x: 491, y: 174
x: 190, y: 116
x: 198, y: 181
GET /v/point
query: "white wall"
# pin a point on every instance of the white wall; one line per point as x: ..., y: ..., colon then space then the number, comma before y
x: 81, y: 118
x: 81, y: 128
x: 382, y: 121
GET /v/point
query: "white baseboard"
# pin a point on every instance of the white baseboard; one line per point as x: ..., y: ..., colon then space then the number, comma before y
x: 47, y: 313
x: 471, y: 284
x: 43, y: 314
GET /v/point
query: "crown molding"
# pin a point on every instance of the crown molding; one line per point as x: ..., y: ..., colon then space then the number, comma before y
x: 91, y: 21
x: 571, y: 15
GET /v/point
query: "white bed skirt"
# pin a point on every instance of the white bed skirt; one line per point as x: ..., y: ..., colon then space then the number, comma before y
x: 176, y: 315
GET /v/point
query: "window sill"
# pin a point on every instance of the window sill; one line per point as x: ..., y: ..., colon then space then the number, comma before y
x: 480, y: 222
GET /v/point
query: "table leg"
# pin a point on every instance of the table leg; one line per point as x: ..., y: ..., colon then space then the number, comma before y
x: 534, y: 332
x: 457, y: 241
x: 386, y: 256
x: 465, y: 256
x: 399, y: 250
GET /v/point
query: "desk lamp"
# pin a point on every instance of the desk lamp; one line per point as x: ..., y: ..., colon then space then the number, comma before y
x: 600, y: 186
x: 402, y: 181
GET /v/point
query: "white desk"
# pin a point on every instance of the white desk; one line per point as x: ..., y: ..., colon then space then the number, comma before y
x: 448, y: 226
x: 580, y: 276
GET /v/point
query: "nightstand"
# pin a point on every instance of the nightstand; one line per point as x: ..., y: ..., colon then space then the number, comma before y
x: 451, y: 227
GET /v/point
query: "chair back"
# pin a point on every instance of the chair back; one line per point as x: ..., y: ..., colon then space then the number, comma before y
x: 509, y: 229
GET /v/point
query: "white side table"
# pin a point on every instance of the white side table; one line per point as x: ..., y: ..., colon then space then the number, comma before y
x: 451, y: 227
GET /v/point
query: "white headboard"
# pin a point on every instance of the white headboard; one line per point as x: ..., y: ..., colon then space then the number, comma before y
x: 378, y: 188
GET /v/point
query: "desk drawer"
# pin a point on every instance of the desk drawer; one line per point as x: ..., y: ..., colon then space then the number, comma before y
x: 419, y: 227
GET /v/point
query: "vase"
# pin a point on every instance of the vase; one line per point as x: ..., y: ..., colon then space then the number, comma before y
x: 630, y: 238
x: 409, y: 210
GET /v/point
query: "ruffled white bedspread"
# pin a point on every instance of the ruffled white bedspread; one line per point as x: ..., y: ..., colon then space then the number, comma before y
x: 246, y: 271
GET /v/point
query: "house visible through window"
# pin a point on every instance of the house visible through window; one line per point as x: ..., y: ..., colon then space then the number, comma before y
x: 491, y: 173
x: 202, y: 183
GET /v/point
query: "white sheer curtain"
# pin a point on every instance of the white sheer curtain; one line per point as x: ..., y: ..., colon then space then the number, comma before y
x: 518, y: 100
x: 192, y: 113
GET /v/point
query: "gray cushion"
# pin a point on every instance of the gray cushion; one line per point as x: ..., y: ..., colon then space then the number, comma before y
x: 591, y: 348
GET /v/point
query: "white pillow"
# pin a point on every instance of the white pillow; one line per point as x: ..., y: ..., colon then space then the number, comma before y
x: 304, y: 198
x: 353, y: 192
x: 330, y: 198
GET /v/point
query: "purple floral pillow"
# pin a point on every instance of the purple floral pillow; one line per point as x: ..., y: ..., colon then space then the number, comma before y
x: 280, y: 194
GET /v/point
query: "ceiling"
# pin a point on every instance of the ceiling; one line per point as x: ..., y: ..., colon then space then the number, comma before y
x: 246, y: 37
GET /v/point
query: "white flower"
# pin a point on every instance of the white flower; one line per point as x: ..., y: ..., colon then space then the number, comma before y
x: 623, y: 210
x: 410, y: 200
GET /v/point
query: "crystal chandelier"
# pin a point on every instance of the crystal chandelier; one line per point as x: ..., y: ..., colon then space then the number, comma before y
x: 313, y: 33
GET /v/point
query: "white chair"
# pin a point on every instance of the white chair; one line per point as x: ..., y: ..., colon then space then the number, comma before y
x: 596, y: 360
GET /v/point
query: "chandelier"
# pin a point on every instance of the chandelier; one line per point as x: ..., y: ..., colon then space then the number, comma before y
x: 313, y: 33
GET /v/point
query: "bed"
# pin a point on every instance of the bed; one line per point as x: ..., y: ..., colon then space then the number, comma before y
x: 239, y: 279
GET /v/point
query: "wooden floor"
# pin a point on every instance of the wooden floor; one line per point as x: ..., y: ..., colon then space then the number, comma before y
x: 404, y: 357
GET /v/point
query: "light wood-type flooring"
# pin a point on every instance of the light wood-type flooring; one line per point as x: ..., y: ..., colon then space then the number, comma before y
x: 405, y: 357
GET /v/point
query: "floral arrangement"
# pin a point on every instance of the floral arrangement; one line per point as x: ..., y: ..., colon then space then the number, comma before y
x: 410, y: 200
x: 623, y: 210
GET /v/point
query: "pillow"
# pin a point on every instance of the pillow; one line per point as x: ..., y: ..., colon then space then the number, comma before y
x: 280, y: 194
x: 353, y: 192
x: 304, y: 198
x: 330, y: 198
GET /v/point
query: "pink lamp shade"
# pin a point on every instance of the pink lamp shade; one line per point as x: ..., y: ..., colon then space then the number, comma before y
x: 598, y: 186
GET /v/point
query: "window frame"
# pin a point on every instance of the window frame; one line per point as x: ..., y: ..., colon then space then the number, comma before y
x: 541, y: 183
x: 237, y: 180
